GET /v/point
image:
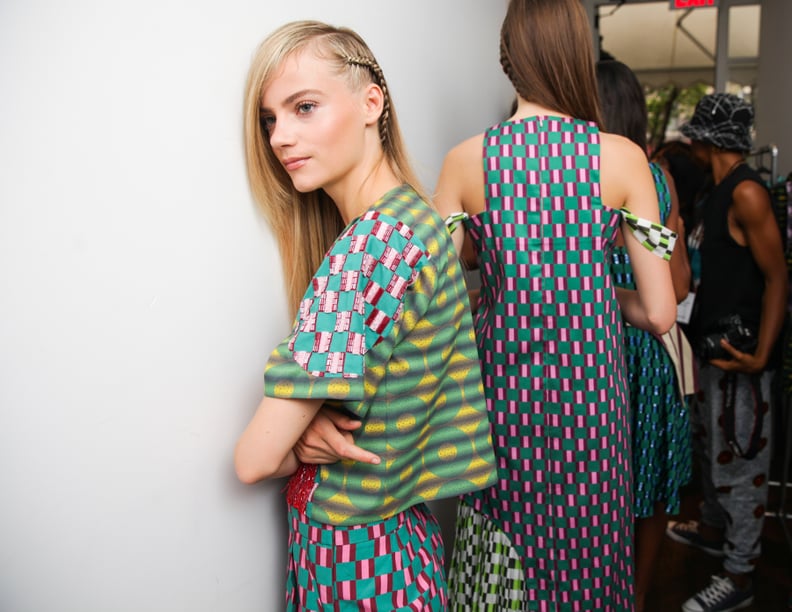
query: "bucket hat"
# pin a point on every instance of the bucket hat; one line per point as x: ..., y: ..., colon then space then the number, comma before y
x: 722, y: 120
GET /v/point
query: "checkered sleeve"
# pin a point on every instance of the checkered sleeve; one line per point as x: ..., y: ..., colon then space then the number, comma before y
x: 453, y: 220
x: 655, y: 237
x: 353, y: 302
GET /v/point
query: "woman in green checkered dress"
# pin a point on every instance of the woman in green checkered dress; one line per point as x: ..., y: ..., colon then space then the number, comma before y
x: 542, y: 195
x: 660, y: 424
x: 382, y: 331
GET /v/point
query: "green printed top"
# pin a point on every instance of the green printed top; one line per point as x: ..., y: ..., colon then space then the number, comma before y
x: 384, y: 332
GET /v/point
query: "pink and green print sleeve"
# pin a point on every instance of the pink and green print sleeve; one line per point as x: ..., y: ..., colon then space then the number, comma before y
x: 355, y: 298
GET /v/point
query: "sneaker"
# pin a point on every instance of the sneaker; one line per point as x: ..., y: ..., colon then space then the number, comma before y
x: 722, y: 595
x: 688, y: 533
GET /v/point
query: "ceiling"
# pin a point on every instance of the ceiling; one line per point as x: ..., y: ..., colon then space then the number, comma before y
x: 646, y: 36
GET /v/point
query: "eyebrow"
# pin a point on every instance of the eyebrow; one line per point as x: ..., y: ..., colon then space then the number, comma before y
x: 296, y: 95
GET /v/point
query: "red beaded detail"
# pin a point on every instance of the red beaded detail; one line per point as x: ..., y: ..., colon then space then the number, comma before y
x: 301, y: 486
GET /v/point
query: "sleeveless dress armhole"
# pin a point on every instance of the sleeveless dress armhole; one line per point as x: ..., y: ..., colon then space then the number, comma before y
x: 655, y: 237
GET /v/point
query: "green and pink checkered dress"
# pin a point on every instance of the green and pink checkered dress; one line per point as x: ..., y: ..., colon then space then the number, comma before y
x: 555, y: 532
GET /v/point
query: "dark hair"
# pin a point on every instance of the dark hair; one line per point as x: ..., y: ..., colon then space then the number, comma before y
x: 691, y: 177
x: 547, y: 52
x: 623, y: 101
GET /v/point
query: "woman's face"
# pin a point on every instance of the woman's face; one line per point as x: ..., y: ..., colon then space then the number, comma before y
x: 314, y: 121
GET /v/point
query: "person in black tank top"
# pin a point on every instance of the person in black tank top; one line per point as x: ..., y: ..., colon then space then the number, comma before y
x: 736, y: 284
x: 743, y: 274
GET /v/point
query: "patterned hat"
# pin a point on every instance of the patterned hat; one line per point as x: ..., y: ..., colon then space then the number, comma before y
x: 723, y: 120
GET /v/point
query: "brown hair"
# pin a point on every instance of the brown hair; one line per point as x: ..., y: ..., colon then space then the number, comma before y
x: 623, y: 101
x: 547, y: 52
x: 306, y: 224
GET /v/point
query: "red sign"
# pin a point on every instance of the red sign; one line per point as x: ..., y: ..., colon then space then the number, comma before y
x: 685, y: 4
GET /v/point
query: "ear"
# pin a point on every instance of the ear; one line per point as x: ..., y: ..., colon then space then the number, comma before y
x: 374, y: 101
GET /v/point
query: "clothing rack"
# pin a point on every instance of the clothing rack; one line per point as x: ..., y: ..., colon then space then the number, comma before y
x: 783, y: 403
x: 765, y: 162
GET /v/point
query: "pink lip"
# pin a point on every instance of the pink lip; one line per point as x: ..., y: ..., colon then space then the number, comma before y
x: 293, y: 163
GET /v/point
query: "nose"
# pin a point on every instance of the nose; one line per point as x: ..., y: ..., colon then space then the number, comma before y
x: 280, y: 133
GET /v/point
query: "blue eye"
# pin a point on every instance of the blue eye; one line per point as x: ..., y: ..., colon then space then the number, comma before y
x: 266, y: 122
x: 303, y: 108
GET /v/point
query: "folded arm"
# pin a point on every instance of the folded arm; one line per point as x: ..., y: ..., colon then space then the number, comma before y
x: 264, y: 449
x: 329, y: 439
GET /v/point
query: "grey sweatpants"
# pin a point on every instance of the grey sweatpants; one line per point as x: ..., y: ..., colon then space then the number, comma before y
x: 734, y: 488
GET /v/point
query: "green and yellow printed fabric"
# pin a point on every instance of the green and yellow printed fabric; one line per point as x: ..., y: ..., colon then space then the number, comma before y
x: 385, y: 333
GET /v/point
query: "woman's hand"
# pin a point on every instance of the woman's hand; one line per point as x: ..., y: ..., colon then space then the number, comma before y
x: 328, y: 439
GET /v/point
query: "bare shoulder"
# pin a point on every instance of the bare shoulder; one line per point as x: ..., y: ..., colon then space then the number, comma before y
x: 461, y: 179
x: 617, y: 150
x: 751, y: 202
x: 751, y: 190
x: 625, y: 177
x: 466, y: 152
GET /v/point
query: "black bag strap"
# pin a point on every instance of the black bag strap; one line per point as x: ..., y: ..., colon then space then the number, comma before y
x: 729, y: 396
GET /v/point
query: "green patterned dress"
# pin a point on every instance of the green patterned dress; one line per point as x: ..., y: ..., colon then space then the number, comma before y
x: 384, y: 333
x: 555, y: 531
x: 660, y: 420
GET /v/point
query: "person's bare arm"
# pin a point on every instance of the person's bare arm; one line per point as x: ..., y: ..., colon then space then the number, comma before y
x: 460, y: 186
x: 756, y: 227
x: 468, y: 254
x: 329, y: 439
x: 680, y: 264
x: 627, y: 182
x: 264, y: 449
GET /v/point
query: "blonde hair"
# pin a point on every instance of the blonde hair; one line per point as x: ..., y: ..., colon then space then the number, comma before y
x: 306, y: 224
x: 546, y: 50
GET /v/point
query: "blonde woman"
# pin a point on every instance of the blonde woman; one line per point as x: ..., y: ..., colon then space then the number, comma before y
x: 382, y: 330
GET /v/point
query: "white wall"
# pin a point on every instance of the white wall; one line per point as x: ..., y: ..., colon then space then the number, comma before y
x: 140, y: 291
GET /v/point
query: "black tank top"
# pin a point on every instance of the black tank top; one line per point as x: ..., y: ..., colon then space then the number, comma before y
x: 731, y: 282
